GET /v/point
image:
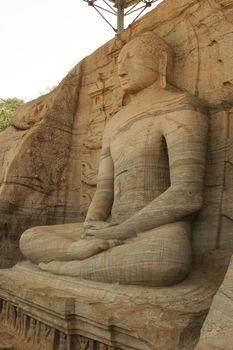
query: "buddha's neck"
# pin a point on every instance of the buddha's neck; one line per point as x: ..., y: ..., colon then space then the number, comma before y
x: 144, y: 95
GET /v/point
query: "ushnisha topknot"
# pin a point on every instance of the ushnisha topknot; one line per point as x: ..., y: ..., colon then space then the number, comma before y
x: 152, y: 44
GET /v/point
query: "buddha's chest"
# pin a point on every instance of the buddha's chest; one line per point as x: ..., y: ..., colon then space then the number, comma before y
x: 136, y: 139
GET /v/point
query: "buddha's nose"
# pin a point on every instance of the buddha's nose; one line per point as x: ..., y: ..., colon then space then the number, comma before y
x: 122, y: 74
x: 122, y: 71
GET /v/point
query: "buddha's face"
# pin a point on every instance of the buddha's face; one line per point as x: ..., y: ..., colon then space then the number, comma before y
x: 136, y: 70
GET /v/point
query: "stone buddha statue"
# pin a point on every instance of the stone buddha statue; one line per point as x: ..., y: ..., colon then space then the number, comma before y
x: 150, y: 183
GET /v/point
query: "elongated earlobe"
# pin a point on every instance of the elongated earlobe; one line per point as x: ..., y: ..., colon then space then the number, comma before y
x: 163, y: 69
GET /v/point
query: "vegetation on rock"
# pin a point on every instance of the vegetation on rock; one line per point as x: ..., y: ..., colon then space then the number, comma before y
x: 8, y: 107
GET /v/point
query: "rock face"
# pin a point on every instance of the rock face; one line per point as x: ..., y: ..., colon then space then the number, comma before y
x: 49, y: 156
x: 35, y: 164
x: 49, y: 160
x: 143, y: 199
x: 216, y: 333
x: 105, y: 316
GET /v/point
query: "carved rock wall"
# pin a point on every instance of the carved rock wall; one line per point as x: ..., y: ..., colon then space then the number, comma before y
x: 106, y: 316
x: 216, y: 333
x: 28, y: 333
x: 35, y: 160
x: 49, y: 156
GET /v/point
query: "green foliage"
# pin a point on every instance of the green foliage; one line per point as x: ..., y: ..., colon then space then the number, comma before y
x: 8, y: 107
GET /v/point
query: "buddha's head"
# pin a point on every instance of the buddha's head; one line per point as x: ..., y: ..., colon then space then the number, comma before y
x: 143, y: 61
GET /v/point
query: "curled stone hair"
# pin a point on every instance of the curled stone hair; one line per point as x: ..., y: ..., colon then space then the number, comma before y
x: 152, y: 43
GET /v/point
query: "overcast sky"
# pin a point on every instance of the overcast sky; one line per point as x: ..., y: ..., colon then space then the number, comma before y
x: 42, y: 40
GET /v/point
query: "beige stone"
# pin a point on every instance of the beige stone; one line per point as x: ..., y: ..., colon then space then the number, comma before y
x: 4, y: 346
x: 112, y: 316
x: 216, y: 333
x: 34, y: 164
x: 200, y: 35
x: 145, y: 187
x: 196, y: 31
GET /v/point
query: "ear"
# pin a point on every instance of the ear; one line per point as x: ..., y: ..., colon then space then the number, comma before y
x: 163, y: 69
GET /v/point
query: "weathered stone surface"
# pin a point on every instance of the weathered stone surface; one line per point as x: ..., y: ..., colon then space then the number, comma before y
x: 35, y: 164
x: 146, y: 193
x: 198, y: 32
x: 216, y: 333
x: 110, y: 315
x: 4, y: 346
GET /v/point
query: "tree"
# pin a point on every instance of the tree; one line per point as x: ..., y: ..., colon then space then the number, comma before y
x: 8, y: 107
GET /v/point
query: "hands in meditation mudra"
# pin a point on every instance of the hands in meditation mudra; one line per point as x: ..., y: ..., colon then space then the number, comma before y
x: 150, y: 183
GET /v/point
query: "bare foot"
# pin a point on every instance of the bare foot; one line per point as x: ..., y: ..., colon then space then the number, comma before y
x: 83, y: 249
x: 62, y: 267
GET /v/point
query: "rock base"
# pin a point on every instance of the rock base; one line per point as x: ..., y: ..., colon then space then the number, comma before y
x: 53, y: 312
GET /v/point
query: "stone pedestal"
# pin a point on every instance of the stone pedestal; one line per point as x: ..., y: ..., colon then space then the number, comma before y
x: 54, y: 312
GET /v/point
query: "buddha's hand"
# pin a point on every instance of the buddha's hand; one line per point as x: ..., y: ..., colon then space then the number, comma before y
x: 113, y: 231
x: 108, y: 233
x: 85, y: 248
x: 92, y: 228
x: 94, y: 246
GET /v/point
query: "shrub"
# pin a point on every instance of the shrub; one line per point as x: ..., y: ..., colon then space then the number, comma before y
x: 8, y: 107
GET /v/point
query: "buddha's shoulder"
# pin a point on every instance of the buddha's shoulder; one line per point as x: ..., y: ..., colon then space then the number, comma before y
x: 175, y: 99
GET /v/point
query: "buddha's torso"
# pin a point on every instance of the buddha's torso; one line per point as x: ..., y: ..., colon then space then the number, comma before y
x: 139, y: 153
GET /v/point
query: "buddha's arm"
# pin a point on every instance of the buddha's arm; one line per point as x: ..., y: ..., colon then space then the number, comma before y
x: 186, y: 136
x: 101, y: 204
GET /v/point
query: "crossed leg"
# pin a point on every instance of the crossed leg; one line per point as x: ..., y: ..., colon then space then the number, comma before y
x: 159, y: 257
x: 43, y: 244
